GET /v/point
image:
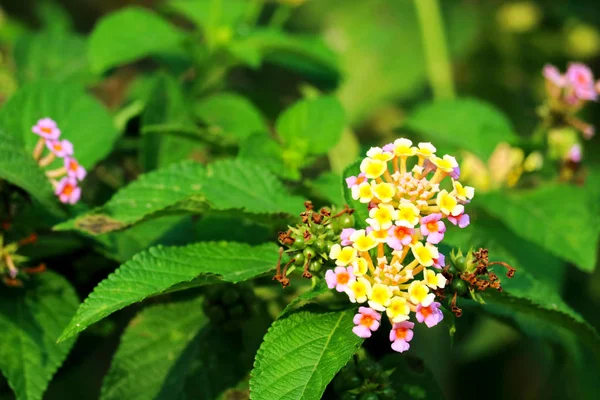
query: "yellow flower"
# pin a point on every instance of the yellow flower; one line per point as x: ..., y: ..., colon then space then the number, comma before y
x: 408, y: 215
x: 398, y: 309
x: 376, y: 153
x: 446, y: 164
x: 380, y: 236
x: 403, y: 148
x: 373, y: 168
x: 362, y: 192
x: 425, y: 254
x: 359, y: 290
x: 383, y: 191
x: 434, y: 280
x: 361, y: 266
x: 463, y: 193
x: 342, y: 256
x: 381, y: 217
x: 380, y: 297
x: 448, y: 204
x: 426, y: 150
x: 362, y: 241
x: 419, y: 294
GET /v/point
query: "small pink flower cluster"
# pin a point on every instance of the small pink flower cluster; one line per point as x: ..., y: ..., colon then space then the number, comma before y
x: 570, y: 92
x: 67, y: 188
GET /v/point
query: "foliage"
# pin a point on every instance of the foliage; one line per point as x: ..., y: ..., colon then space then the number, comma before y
x: 204, y: 127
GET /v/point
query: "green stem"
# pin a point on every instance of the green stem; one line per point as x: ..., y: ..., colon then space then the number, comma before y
x: 437, y: 58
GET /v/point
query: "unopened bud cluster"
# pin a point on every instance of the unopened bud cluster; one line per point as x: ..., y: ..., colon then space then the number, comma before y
x: 365, y: 379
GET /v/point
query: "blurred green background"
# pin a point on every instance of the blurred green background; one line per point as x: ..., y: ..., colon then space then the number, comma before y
x: 498, y: 49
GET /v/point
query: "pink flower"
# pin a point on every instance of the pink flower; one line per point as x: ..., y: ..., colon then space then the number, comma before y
x: 552, y: 74
x: 345, y: 236
x: 67, y: 190
x: 574, y: 154
x: 455, y: 174
x: 589, y: 132
x: 47, y: 129
x: 580, y: 77
x: 463, y: 220
x: 60, y: 148
x: 388, y: 148
x: 399, y: 236
x: 74, y: 169
x: 400, y: 335
x: 433, y: 228
x: 355, y: 180
x: 366, y: 321
x: 439, y: 262
x: 431, y: 315
x: 339, y: 278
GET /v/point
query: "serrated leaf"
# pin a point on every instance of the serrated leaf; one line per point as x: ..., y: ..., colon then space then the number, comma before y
x: 128, y: 35
x: 467, y: 124
x: 265, y: 151
x: 155, y: 352
x: 18, y: 167
x: 81, y: 119
x: 361, y: 211
x: 230, y: 115
x: 313, y: 126
x: 525, y: 294
x: 159, y: 268
x: 30, y: 321
x: 559, y: 218
x: 191, y: 187
x: 301, y: 354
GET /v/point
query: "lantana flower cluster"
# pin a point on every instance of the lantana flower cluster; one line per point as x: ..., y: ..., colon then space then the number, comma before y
x: 393, y: 266
x: 65, y: 179
x: 569, y: 92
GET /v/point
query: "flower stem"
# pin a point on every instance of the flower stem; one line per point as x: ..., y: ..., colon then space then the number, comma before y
x: 437, y: 58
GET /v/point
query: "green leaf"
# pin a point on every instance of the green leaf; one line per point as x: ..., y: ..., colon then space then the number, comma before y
x: 231, y: 115
x: 81, y: 119
x: 53, y: 55
x: 301, y: 354
x: 128, y: 35
x: 410, y: 381
x: 209, y: 14
x: 306, y: 54
x: 525, y: 294
x: 361, y: 210
x: 312, y: 126
x: 559, y: 218
x: 155, y: 353
x: 191, y: 187
x: 262, y: 150
x: 30, y: 321
x: 18, y: 167
x: 159, y: 268
x: 467, y: 124
x: 314, y: 292
x: 327, y: 187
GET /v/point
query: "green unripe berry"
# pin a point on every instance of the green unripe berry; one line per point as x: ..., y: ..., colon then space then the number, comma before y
x: 459, y: 286
x: 320, y: 246
x: 318, y: 229
x: 299, y: 243
x: 237, y: 312
x: 309, y: 252
x: 460, y: 263
x: 329, y: 232
x: 328, y: 247
x: 346, y: 221
x: 452, y: 270
x: 299, y: 259
x: 315, y: 266
x: 368, y: 396
x: 348, y: 396
x: 230, y: 296
x: 388, y: 393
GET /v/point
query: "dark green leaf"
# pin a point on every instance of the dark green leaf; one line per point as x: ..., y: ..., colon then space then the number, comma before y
x: 314, y: 292
x: 467, y: 124
x: 159, y: 268
x: 301, y: 354
x: 262, y: 150
x: 361, y: 210
x: 327, y: 187
x: 30, y: 321
x: 128, y: 35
